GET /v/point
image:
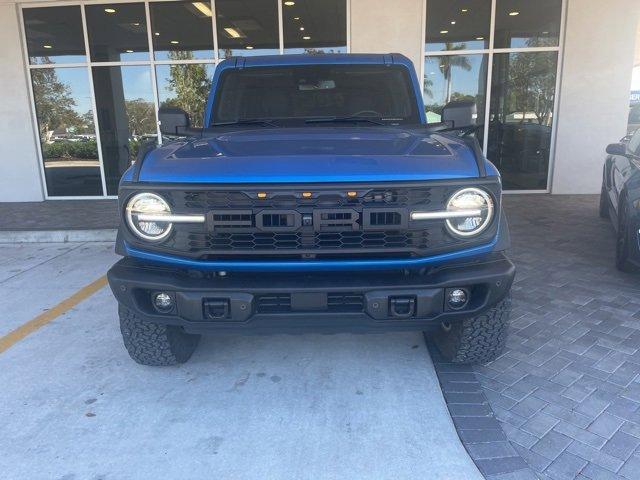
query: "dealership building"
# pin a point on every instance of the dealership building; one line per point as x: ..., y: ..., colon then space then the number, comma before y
x: 81, y: 82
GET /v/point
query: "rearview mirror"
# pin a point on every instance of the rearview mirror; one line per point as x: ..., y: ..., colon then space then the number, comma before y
x: 173, y: 121
x: 460, y: 114
x: 617, y: 149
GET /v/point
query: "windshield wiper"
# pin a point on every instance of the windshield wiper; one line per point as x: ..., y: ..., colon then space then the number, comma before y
x: 246, y: 121
x: 350, y: 119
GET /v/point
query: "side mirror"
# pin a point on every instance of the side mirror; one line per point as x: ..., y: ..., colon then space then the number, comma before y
x: 617, y: 149
x: 460, y: 114
x: 173, y: 121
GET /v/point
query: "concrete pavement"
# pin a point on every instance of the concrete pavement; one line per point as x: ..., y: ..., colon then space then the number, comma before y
x: 74, y: 406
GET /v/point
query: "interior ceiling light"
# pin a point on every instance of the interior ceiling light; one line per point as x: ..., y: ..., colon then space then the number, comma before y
x: 157, y: 34
x: 203, y: 8
x: 513, y: 14
x: 464, y: 10
x: 110, y: 10
x: 233, y: 33
x: 136, y: 24
x: 175, y: 42
x: 444, y: 31
x: 47, y: 46
x: 289, y: 3
x: 249, y: 47
x: 453, y: 22
x: 302, y: 29
x: 129, y: 51
x: 296, y: 18
x: 306, y: 38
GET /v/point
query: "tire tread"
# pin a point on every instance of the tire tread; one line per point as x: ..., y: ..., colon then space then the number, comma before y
x: 477, y: 340
x: 154, y: 344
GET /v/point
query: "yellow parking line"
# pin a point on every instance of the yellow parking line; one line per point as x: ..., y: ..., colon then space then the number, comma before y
x: 41, y: 320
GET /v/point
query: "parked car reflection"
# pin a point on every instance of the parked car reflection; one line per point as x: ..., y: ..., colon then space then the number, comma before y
x: 523, y: 152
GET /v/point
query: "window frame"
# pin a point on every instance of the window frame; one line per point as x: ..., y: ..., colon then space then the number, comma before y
x: 150, y: 63
x: 490, y: 52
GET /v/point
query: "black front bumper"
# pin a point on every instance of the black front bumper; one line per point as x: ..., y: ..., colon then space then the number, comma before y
x: 320, y: 302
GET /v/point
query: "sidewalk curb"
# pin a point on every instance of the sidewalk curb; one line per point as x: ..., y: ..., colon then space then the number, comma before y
x: 479, y: 430
x: 57, y: 236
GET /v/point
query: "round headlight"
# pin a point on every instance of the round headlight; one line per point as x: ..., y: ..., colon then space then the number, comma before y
x: 475, y: 209
x: 144, y: 216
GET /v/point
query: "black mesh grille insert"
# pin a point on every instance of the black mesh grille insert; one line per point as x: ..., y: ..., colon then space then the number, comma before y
x: 203, y: 200
x: 418, y: 240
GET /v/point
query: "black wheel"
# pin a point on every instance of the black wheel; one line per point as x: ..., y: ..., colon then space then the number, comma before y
x: 603, y: 210
x: 623, y: 240
x: 476, y: 340
x: 154, y: 344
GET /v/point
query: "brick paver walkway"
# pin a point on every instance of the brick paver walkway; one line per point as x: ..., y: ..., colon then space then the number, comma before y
x: 59, y: 215
x: 567, y: 390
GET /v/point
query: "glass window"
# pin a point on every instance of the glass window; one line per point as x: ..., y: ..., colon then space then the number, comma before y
x: 186, y: 87
x: 182, y: 30
x: 54, y: 35
x: 458, y: 25
x: 126, y: 117
x: 454, y: 77
x: 521, y: 117
x: 67, y: 133
x: 634, y: 143
x: 524, y: 23
x: 301, y: 92
x: 247, y: 27
x: 118, y: 32
x: 315, y: 26
x: 634, y: 118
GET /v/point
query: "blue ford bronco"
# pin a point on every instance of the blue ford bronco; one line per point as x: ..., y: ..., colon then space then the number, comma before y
x: 316, y: 198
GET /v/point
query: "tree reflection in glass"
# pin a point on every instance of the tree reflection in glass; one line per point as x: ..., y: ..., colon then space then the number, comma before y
x: 67, y: 132
x: 126, y: 117
x: 450, y: 78
x: 185, y: 86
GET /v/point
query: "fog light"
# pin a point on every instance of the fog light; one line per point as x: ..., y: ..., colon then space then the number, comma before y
x: 457, y: 298
x: 163, y: 302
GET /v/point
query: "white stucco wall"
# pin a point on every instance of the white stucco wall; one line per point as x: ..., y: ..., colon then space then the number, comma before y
x: 384, y: 26
x: 20, y: 178
x: 594, y: 94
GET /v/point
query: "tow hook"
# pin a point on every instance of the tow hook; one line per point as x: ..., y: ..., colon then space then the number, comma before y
x: 402, y: 307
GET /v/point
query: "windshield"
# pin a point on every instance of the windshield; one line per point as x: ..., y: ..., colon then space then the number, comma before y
x: 295, y: 94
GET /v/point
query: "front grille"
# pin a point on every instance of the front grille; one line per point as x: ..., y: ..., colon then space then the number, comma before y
x: 204, y: 200
x: 411, y: 240
x: 330, y: 222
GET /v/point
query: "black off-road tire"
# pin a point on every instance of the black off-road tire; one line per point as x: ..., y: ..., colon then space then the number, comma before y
x: 603, y: 208
x: 476, y: 340
x: 155, y: 344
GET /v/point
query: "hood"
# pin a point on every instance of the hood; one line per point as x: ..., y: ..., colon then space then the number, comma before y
x: 311, y: 155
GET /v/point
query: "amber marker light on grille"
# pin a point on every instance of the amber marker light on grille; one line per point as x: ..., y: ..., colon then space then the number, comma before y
x: 352, y: 194
x: 306, y: 194
x: 262, y: 194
